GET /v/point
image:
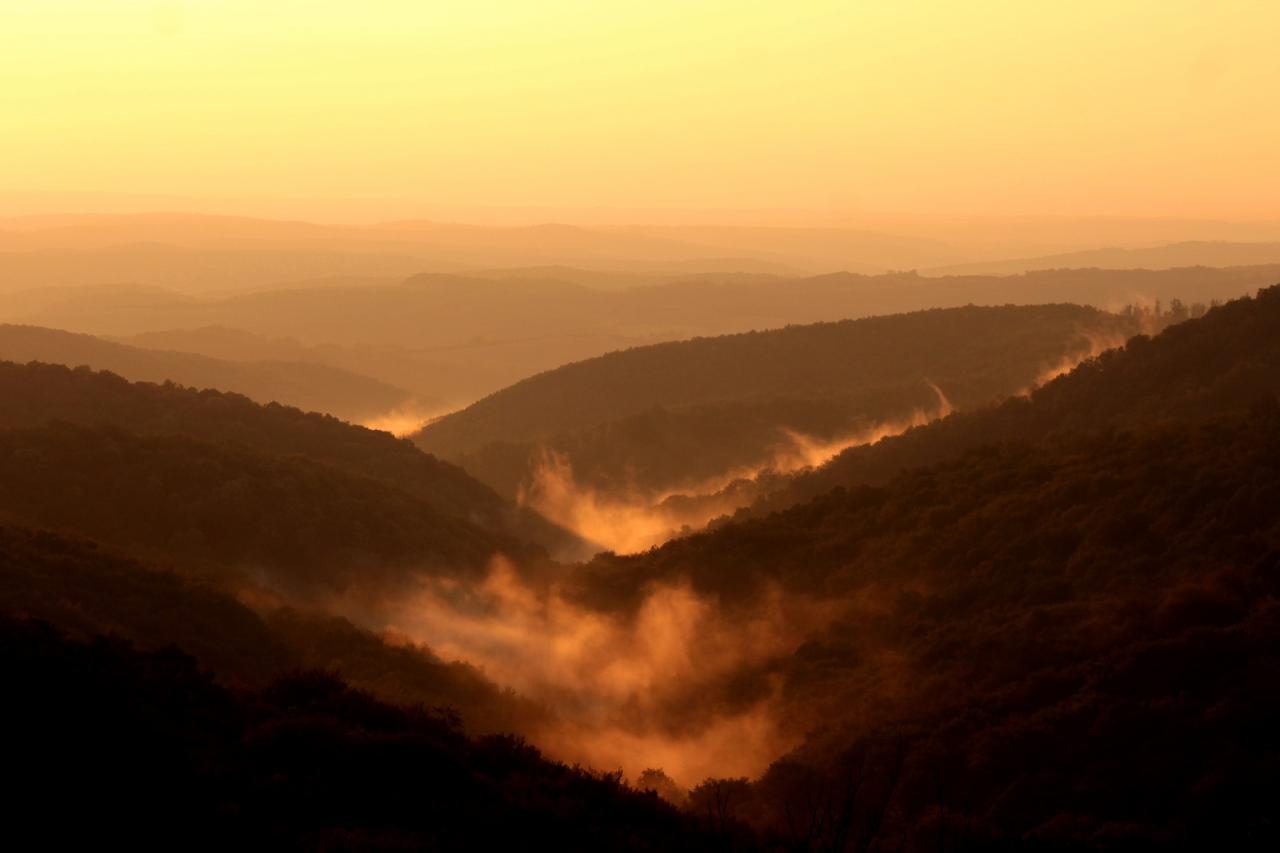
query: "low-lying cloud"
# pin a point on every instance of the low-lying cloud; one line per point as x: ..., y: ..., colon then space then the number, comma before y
x: 631, y: 690
x: 406, y: 419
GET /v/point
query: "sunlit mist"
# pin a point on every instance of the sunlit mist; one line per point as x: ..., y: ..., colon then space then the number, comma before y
x: 1092, y: 347
x: 405, y: 420
x: 630, y: 691
x: 629, y: 523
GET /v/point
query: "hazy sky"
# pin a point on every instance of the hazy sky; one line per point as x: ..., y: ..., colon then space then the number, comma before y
x: 648, y: 109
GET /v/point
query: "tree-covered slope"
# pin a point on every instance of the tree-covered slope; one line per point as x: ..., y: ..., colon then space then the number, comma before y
x: 972, y: 353
x: 673, y: 418
x: 288, y: 521
x: 39, y: 394
x: 86, y: 590
x: 1066, y: 645
x: 109, y: 745
x: 1218, y: 364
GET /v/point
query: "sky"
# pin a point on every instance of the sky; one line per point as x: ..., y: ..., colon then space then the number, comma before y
x: 654, y: 110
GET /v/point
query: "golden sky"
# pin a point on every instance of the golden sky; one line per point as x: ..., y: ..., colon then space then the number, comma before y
x: 646, y: 108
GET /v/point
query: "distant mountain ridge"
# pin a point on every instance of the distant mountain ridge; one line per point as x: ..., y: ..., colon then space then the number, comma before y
x: 466, y: 336
x: 207, y: 253
x: 308, y: 386
x: 1192, y: 253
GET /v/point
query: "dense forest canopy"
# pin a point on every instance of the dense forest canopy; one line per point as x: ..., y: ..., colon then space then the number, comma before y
x: 41, y: 394
x: 972, y: 353
x: 1057, y: 643
x: 669, y: 418
x: 287, y: 520
x: 1214, y: 366
x: 89, y: 590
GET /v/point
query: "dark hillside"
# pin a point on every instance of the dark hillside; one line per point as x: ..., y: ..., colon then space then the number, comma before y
x: 972, y: 353
x: 681, y: 418
x: 1067, y: 645
x: 160, y: 751
x: 39, y: 394
x: 1192, y: 371
x: 85, y: 590
x: 228, y: 511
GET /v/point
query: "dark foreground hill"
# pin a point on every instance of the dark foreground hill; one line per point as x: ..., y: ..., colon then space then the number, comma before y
x: 1072, y: 645
x: 86, y: 590
x: 108, y: 745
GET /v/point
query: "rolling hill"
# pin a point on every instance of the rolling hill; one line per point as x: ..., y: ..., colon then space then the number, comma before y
x: 87, y: 590
x: 673, y: 416
x: 304, y: 762
x: 1065, y: 646
x: 304, y: 385
x: 288, y: 523
x: 1210, y: 367
x: 1054, y: 635
x: 38, y: 395
x: 1192, y: 253
x: 1044, y: 624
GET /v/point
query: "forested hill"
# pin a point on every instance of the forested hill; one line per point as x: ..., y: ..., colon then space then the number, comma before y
x: 1218, y: 364
x: 187, y: 714
x: 1071, y: 644
x: 972, y: 353
x: 309, y: 386
x: 160, y: 751
x: 40, y: 394
x: 85, y: 590
x: 293, y: 523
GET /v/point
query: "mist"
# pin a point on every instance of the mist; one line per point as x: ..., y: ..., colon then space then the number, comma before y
x: 404, y: 420
x: 627, y: 523
x: 630, y: 690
